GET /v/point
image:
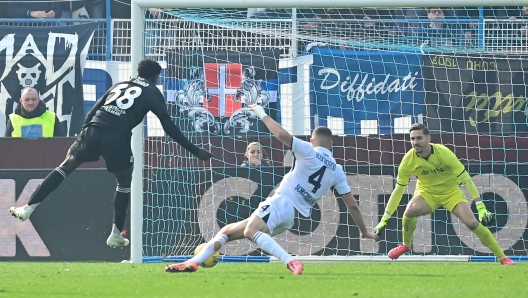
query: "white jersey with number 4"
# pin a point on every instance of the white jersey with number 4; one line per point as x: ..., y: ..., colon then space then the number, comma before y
x: 313, y: 173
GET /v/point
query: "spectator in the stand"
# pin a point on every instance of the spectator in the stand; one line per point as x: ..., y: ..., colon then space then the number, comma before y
x: 438, y: 33
x: 411, y: 13
x: 255, y: 156
x: 348, y: 14
x: 85, y: 9
x: 337, y: 22
x: 32, y: 119
x: 383, y: 27
x: 96, y: 8
x: 34, y: 9
x: 415, y: 17
x: 470, y: 28
x: 341, y: 13
x: 309, y: 19
x: 497, y: 33
x: 410, y: 19
x: 74, y: 9
x: 369, y: 29
x: 518, y: 12
x: 519, y: 35
x: 475, y: 13
x: 488, y: 12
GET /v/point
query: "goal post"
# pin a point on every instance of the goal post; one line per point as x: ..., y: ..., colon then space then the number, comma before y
x: 177, y: 204
x: 136, y: 197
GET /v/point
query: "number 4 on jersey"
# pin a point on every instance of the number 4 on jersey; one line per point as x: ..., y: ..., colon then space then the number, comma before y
x: 315, y: 178
x: 126, y: 100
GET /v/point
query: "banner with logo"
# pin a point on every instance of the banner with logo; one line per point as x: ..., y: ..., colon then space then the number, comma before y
x: 365, y: 85
x: 476, y: 94
x: 50, y: 59
x: 215, y: 88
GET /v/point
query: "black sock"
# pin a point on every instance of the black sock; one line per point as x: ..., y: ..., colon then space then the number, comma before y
x: 121, y: 200
x: 50, y: 183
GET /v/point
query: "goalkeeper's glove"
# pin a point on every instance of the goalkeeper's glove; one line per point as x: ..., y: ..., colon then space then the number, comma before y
x: 382, y: 224
x: 485, y: 217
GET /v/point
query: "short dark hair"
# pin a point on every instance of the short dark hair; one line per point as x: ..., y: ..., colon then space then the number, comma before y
x: 420, y: 126
x: 148, y: 69
x: 323, y: 131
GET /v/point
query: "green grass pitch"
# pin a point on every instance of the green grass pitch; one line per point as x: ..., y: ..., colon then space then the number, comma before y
x: 345, y: 279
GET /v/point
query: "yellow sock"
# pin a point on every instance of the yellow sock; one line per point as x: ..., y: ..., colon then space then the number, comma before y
x: 409, y: 225
x: 486, y: 237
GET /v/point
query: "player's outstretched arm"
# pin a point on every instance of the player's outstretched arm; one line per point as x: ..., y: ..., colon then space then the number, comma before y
x: 353, y: 209
x: 402, y: 180
x: 175, y: 133
x: 393, y: 203
x: 280, y: 133
x: 485, y: 217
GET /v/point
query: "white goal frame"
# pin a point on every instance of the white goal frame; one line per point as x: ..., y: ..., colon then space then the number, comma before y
x: 137, y: 54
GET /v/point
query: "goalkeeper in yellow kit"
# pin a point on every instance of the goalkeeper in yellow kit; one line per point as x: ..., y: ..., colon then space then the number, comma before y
x: 439, y: 174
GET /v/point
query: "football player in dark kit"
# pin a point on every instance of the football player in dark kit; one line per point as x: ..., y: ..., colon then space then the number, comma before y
x: 107, y: 132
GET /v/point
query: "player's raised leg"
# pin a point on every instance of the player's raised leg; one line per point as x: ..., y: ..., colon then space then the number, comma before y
x: 418, y: 206
x: 121, y: 202
x: 228, y: 233
x: 50, y: 183
x: 463, y: 211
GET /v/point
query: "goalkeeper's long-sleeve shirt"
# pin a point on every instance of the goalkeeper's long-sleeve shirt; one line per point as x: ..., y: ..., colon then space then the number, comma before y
x: 439, y: 173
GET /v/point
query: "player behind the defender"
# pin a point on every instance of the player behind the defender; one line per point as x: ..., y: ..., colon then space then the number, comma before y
x: 107, y: 132
x: 315, y: 171
x: 439, y: 174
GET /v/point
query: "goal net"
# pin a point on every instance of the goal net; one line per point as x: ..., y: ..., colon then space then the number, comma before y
x: 367, y: 74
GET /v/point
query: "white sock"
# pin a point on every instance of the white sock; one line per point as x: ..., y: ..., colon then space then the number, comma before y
x: 115, y: 230
x: 209, y: 250
x: 32, y: 207
x: 271, y: 246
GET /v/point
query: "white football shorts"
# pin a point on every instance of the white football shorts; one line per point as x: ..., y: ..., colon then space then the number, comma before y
x: 278, y: 213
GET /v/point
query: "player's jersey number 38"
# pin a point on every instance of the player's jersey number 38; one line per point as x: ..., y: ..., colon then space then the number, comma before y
x: 124, y: 95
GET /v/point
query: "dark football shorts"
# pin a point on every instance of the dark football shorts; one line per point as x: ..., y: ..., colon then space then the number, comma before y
x: 94, y: 141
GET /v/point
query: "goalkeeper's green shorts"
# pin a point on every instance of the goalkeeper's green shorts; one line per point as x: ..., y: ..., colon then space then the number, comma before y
x: 448, y: 200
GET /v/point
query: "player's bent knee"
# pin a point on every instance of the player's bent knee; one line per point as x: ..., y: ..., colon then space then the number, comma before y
x: 70, y: 164
x: 250, y: 233
x: 411, y: 213
x: 415, y: 210
x: 472, y: 225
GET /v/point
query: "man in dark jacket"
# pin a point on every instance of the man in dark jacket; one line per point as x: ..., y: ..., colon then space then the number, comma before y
x: 32, y: 119
x: 34, y: 9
